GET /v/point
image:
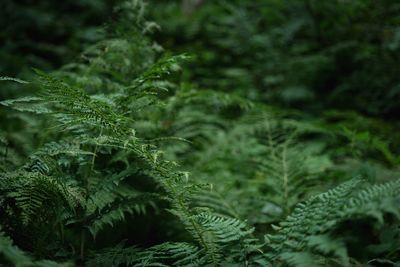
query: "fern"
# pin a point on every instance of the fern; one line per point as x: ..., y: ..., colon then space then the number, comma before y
x: 166, y: 254
x: 125, y: 162
x: 31, y: 191
x: 307, y: 235
x: 4, y: 78
x: 289, y: 168
x: 116, y: 210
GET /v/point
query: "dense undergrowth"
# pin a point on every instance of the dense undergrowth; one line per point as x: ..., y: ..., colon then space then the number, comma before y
x: 223, y: 154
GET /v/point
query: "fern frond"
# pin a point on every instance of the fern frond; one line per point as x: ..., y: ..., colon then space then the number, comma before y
x: 213, y: 200
x: 163, y: 255
x: 114, y: 257
x: 5, y: 78
x: 27, y: 104
x: 33, y: 192
x: 72, y: 106
x: 222, y: 230
x: 310, y: 228
x: 289, y: 168
x: 375, y: 201
x: 215, y: 233
x: 114, y: 211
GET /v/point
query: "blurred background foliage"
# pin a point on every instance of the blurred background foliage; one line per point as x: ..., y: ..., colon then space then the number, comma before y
x: 332, y: 61
x: 307, y: 54
x: 46, y: 34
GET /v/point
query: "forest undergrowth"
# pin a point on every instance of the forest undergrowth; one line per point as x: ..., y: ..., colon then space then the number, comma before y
x: 118, y: 159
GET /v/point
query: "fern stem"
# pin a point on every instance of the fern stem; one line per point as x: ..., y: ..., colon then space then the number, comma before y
x: 5, y: 153
x: 84, y: 219
x: 82, y: 245
x: 285, y: 180
x: 62, y: 233
x: 183, y: 207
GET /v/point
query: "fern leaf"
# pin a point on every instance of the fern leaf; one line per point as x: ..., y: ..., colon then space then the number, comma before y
x: 5, y: 78
x: 310, y: 228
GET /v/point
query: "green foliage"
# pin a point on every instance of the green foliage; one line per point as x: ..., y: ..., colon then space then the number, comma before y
x: 309, y: 234
x: 306, y: 54
x: 129, y: 156
x: 10, y: 254
x: 45, y: 34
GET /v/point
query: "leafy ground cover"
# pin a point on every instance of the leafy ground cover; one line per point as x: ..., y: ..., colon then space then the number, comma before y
x: 200, y: 133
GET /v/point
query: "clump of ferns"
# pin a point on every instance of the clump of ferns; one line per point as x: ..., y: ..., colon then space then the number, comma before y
x: 284, y: 165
